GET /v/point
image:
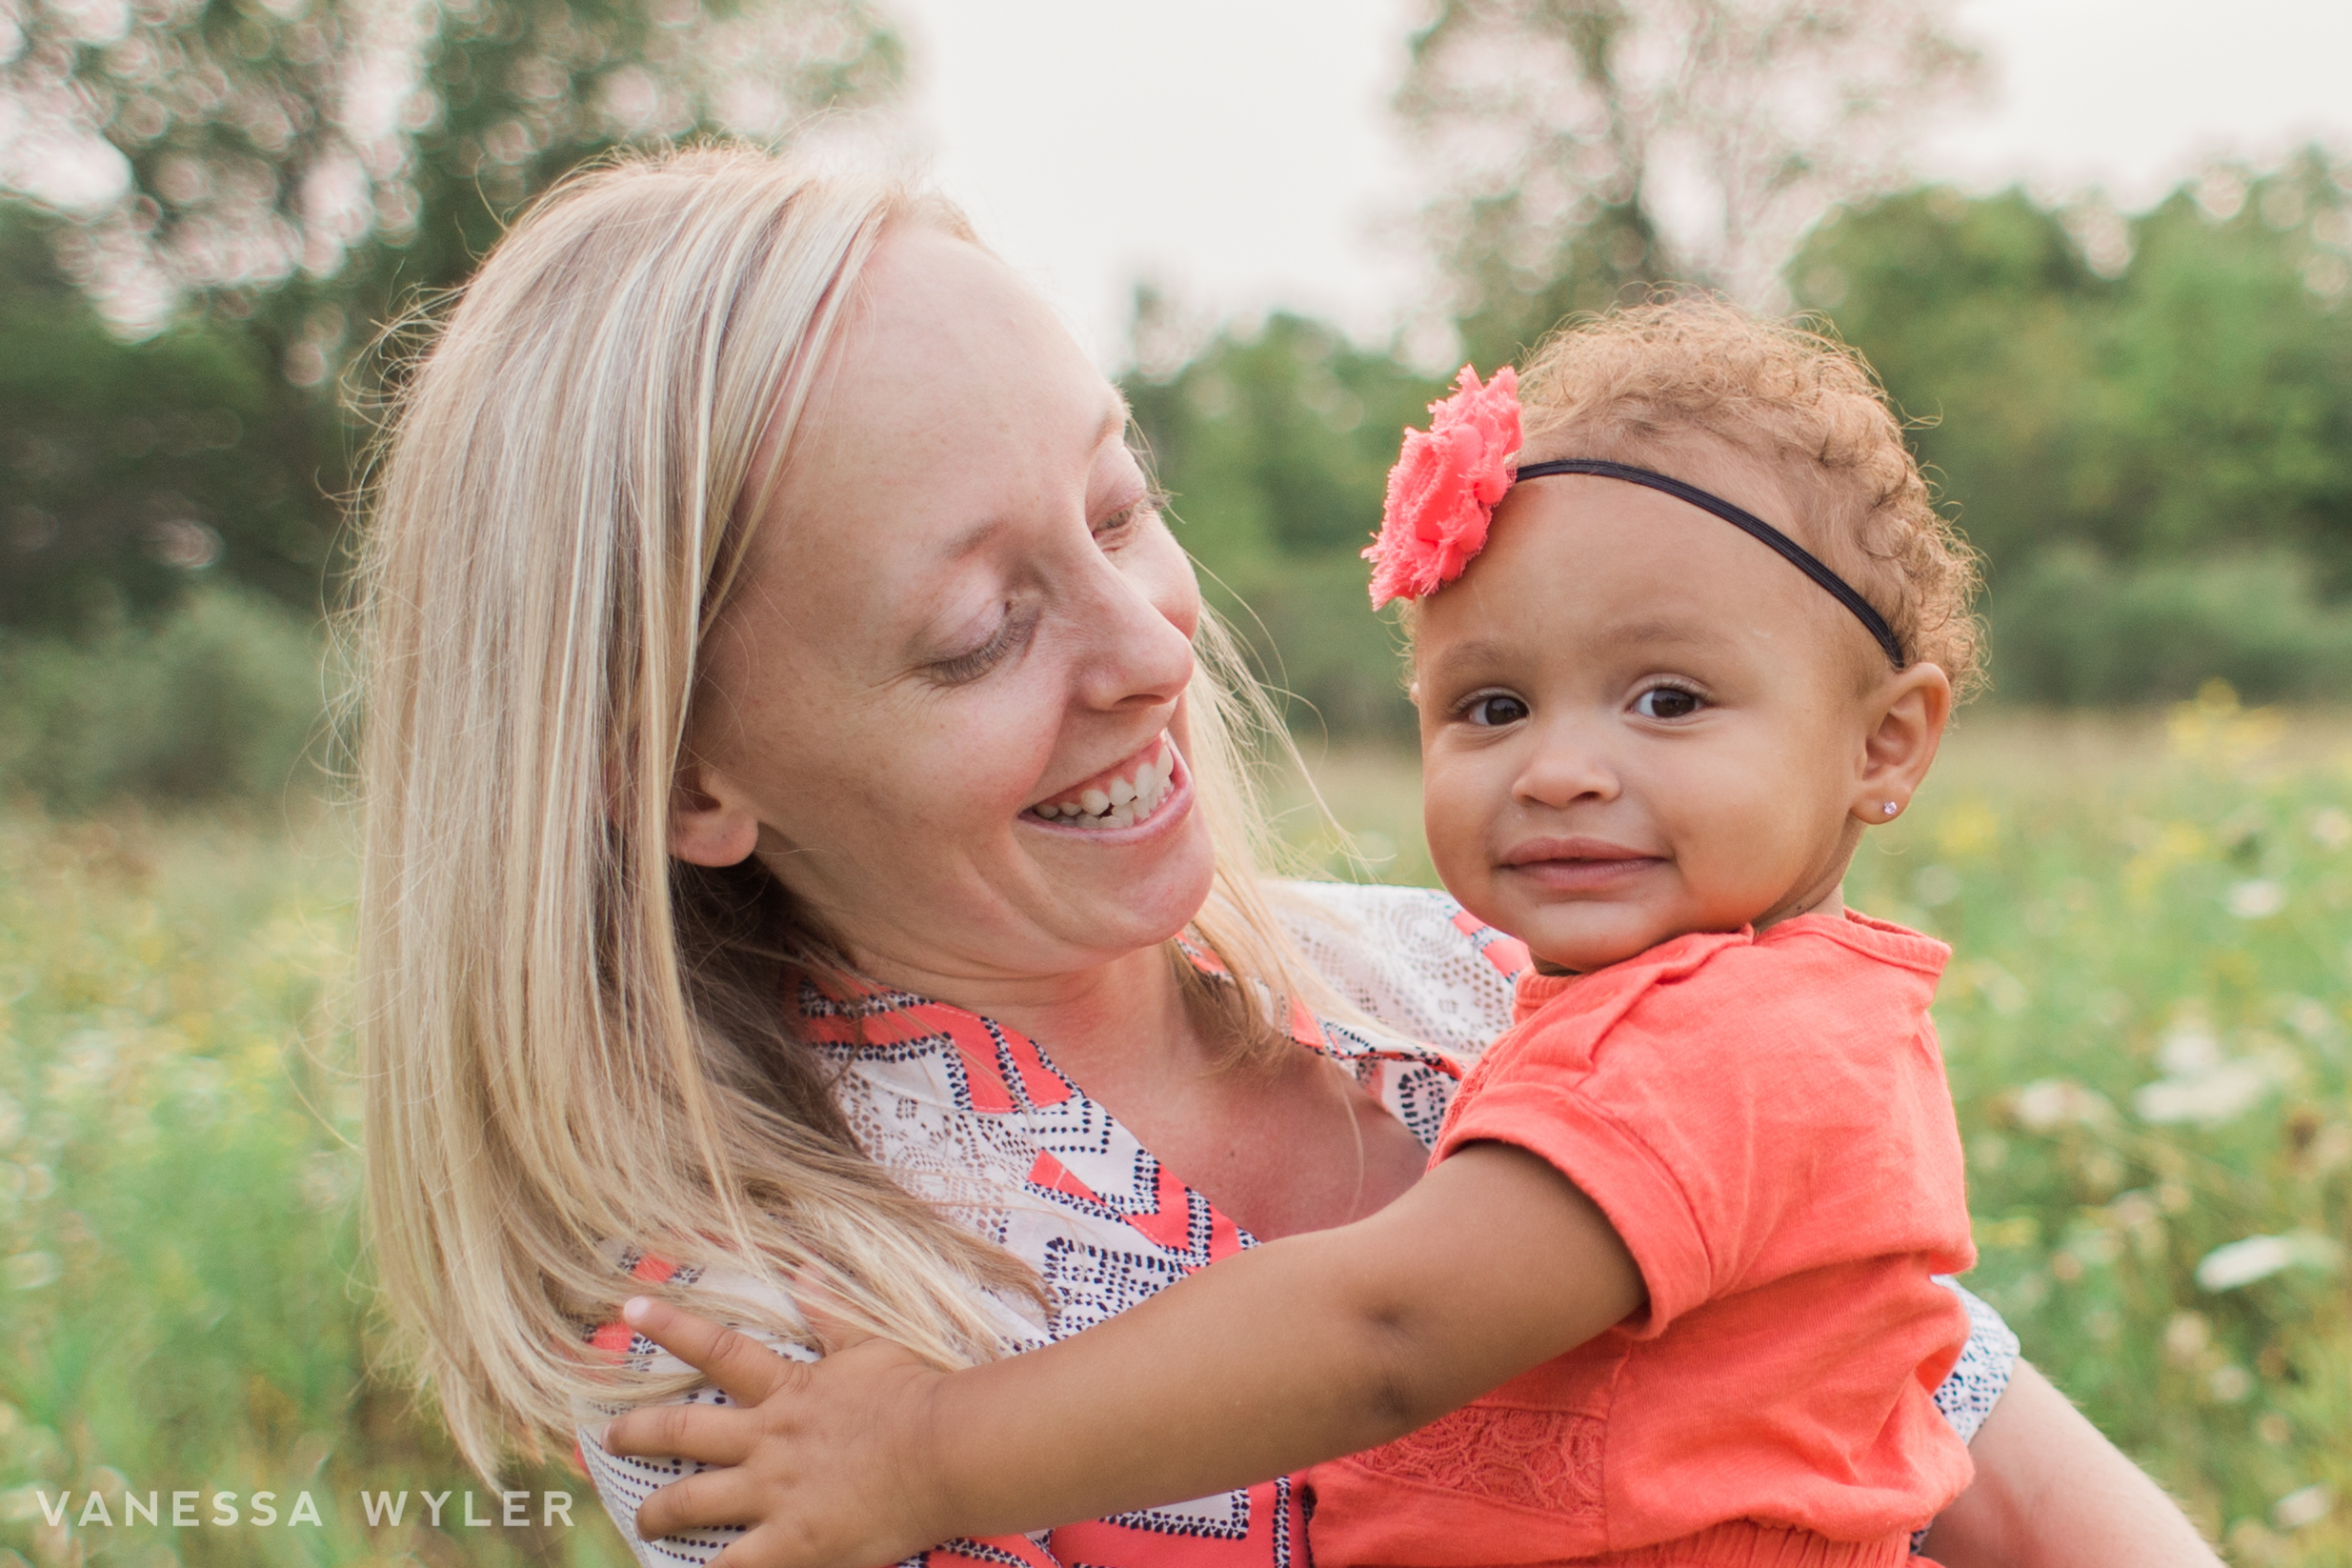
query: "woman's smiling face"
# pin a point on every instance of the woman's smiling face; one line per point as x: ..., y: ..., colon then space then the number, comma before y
x: 945, y: 703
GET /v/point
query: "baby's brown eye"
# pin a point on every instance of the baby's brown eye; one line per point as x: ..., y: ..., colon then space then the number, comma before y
x: 1495, y: 709
x: 1666, y: 702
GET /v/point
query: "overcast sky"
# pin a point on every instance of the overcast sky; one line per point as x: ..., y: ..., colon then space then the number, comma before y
x: 1240, y: 150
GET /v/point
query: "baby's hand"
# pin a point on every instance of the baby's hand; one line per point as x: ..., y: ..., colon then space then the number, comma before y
x: 823, y: 1461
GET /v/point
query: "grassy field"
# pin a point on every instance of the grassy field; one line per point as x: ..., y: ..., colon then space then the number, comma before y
x: 177, y: 1215
x: 2148, y: 1021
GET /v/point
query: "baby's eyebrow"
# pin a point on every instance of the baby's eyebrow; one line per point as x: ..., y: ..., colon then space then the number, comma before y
x: 1475, y: 652
x: 1666, y: 629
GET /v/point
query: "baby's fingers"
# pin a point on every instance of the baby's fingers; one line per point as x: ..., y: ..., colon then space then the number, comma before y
x: 707, y: 1433
x: 780, y: 1546
x: 700, y: 1501
x: 748, y: 1370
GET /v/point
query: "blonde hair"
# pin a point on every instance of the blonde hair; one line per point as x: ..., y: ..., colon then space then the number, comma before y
x: 1625, y: 384
x: 568, y: 1039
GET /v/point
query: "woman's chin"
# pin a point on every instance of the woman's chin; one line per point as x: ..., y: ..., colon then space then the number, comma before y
x: 1133, y: 894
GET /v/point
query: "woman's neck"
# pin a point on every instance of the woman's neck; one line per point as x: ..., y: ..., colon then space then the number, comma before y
x: 1112, y: 1021
x: 1283, y: 1144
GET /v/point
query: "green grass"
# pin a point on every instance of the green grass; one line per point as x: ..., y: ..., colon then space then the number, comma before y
x: 2148, y: 1019
x: 177, y: 1228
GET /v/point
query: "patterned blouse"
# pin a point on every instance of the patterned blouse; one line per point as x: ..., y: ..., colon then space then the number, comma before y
x: 977, y: 1119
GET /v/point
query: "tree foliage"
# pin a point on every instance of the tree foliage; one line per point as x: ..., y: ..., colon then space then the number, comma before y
x: 2153, y: 452
x: 1583, y: 146
x: 128, y: 470
x: 2145, y: 425
x: 287, y: 176
x: 1275, y: 445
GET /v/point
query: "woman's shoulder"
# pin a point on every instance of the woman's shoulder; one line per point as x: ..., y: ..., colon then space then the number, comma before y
x: 1413, y: 958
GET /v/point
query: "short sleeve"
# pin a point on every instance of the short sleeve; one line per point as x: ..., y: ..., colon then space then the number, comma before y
x: 1740, y: 1120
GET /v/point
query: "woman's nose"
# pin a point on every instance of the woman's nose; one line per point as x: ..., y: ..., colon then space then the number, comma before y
x: 1139, y: 655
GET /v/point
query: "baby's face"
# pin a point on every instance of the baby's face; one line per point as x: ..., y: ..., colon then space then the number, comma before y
x: 1637, y: 721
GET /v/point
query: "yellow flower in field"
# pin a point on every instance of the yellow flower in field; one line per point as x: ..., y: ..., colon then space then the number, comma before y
x: 2215, y: 728
x: 1967, y: 831
x: 2015, y: 1231
x: 2175, y: 844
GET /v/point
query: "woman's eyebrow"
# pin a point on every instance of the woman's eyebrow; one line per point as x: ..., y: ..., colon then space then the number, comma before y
x: 1114, y: 420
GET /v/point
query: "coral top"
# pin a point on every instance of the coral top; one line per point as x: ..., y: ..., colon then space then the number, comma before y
x: 970, y: 1114
x: 1764, y: 1120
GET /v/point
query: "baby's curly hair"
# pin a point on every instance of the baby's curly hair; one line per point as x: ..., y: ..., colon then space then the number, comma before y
x: 1622, y: 386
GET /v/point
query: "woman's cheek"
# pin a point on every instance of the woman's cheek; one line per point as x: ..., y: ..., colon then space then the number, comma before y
x: 997, y: 760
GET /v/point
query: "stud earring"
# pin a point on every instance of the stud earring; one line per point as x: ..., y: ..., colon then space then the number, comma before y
x: 1890, y: 808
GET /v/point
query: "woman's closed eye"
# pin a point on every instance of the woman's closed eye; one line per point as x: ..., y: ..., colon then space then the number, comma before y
x: 1019, y: 621
x: 1123, y: 521
x: 1668, y: 702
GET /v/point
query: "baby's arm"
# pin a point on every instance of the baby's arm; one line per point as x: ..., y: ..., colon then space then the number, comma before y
x: 1294, y: 1352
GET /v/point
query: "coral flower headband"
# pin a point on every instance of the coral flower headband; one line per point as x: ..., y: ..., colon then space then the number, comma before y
x: 1442, y: 493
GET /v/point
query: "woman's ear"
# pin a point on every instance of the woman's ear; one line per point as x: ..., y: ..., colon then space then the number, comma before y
x: 1909, y: 714
x: 708, y: 825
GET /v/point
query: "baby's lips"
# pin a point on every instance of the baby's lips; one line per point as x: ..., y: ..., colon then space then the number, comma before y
x: 1577, y: 847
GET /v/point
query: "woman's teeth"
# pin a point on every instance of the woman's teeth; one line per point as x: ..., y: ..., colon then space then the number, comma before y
x: 1120, y: 803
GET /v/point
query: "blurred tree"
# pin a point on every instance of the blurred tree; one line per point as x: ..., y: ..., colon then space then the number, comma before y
x: 1988, y: 325
x: 1276, y: 443
x: 128, y: 470
x: 1583, y: 146
x: 290, y: 173
x: 2145, y: 424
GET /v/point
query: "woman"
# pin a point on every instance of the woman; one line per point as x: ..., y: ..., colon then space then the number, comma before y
x: 805, y: 839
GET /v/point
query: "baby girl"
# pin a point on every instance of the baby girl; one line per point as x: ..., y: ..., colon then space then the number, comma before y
x: 1683, y: 625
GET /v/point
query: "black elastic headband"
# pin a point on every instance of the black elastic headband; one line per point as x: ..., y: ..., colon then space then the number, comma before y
x: 1797, y: 554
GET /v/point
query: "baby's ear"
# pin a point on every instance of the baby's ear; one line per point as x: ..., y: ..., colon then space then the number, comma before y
x: 1906, y: 716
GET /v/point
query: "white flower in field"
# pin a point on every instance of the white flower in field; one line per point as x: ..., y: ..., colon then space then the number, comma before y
x: 2307, y: 1506
x: 1936, y: 886
x: 2190, y: 1048
x: 2227, y: 1268
x: 2229, y: 1382
x: 2209, y: 1096
x: 2004, y: 992
x: 2049, y: 1104
x: 327, y: 1179
x: 2258, y: 899
x: 30, y: 1271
